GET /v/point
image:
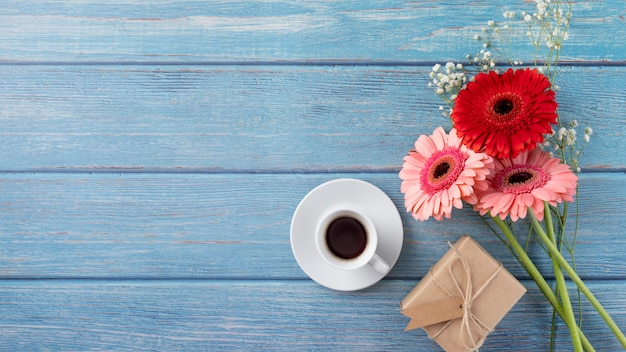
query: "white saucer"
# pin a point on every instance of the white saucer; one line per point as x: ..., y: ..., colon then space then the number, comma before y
x: 371, y: 202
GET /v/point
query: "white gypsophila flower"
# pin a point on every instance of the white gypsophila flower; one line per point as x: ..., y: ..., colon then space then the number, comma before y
x: 586, y: 137
x: 570, y: 137
x: 541, y: 9
x: 588, y: 131
x: 449, y: 81
x: 561, y: 133
x: 558, y: 15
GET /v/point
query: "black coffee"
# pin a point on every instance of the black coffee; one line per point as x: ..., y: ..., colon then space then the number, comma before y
x: 346, y: 237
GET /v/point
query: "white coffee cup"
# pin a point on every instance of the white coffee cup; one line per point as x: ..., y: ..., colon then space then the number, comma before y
x: 348, y: 240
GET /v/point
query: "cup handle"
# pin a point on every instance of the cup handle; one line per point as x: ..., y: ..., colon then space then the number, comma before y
x: 378, y: 264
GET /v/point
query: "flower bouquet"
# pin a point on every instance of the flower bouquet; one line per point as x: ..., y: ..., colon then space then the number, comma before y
x: 509, y: 154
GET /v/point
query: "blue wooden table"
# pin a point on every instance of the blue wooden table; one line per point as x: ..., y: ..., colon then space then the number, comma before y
x: 152, y: 155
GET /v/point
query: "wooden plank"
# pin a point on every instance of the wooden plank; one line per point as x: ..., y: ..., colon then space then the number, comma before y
x: 237, y: 226
x: 274, y: 31
x: 152, y: 156
x: 257, y: 315
x: 261, y: 118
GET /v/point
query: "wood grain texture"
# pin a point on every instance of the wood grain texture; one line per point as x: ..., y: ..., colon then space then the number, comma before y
x: 236, y: 226
x: 274, y: 31
x: 152, y: 155
x: 242, y: 315
x: 288, y: 119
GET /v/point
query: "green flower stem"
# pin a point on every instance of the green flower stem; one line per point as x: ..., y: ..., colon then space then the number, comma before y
x: 569, y: 318
x: 534, y: 273
x: 555, y: 253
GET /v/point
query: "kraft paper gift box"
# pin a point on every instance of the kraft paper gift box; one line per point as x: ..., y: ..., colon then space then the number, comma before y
x: 462, y: 298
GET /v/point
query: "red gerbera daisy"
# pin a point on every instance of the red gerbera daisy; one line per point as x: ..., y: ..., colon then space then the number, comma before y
x: 505, y: 114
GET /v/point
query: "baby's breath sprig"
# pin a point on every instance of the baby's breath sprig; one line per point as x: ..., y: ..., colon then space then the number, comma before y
x: 447, y: 81
x: 565, y: 144
x: 484, y: 61
x: 546, y: 27
x: 497, y: 38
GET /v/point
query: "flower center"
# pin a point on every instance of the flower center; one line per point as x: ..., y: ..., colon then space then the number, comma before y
x: 520, y: 179
x: 503, y: 107
x: 442, y: 169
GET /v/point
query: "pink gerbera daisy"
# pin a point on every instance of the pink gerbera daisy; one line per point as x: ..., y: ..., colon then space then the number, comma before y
x: 525, y: 181
x: 439, y: 174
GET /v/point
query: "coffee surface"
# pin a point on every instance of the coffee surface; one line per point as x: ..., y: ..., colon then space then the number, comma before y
x: 346, y: 237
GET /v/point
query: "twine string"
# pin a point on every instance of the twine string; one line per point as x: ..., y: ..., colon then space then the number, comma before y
x: 469, y: 319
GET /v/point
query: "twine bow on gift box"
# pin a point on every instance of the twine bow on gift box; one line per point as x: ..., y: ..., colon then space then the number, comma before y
x: 468, y: 296
x: 444, y: 303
